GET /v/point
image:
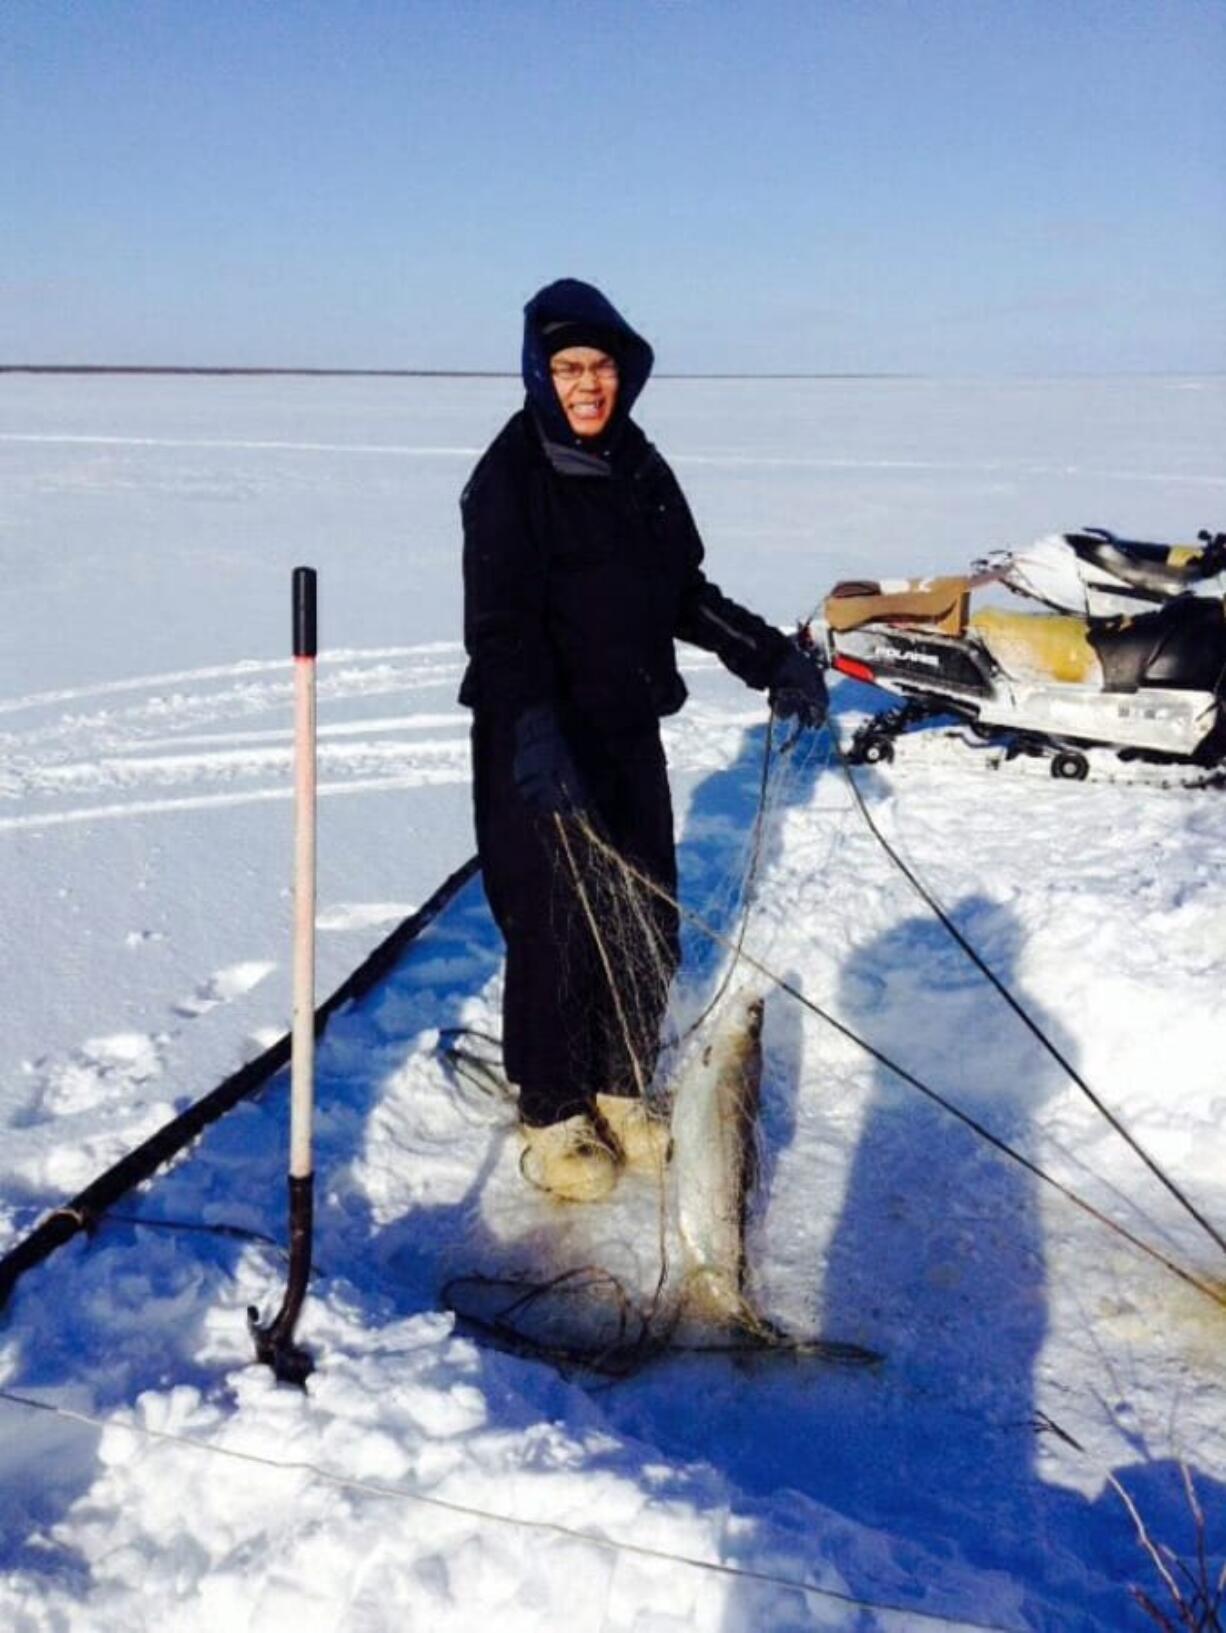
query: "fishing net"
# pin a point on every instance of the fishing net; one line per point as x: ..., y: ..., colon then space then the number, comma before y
x: 661, y: 1265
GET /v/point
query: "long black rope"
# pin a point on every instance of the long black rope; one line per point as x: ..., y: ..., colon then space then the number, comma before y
x: 1021, y: 1011
x: 1205, y: 1288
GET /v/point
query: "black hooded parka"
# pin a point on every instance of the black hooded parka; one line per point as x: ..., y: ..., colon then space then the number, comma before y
x: 582, y: 565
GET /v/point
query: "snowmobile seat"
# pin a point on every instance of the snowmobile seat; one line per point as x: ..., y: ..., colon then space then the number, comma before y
x: 1039, y: 645
x: 938, y: 604
x: 1181, y: 645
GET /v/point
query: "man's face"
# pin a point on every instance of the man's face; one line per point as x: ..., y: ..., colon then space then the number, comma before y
x: 585, y: 380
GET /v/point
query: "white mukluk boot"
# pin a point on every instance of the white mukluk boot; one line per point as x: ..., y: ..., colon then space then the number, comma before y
x: 569, y: 1160
x: 644, y: 1138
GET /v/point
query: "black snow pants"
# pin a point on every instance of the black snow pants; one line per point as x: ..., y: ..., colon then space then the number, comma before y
x: 565, y: 1038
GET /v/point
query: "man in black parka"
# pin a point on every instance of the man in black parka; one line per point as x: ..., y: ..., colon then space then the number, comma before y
x: 582, y: 565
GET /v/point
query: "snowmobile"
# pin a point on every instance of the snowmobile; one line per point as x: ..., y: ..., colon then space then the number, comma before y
x: 1130, y: 655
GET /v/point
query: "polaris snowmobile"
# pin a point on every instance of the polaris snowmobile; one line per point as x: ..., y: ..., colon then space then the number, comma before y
x: 1131, y: 656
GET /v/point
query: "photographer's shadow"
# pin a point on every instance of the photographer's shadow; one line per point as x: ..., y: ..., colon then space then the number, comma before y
x: 937, y: 1258
x: 936, y: 1261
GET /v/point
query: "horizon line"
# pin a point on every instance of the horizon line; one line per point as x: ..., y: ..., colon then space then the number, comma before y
x: 239, y: 371
x: 436, y: 374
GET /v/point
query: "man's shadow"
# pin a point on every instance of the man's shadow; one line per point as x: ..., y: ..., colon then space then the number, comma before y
x: 934, y: 1259
x: 937, y: 1261
x: 937, y: 1256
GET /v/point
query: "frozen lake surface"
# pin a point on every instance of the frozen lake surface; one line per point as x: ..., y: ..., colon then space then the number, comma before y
x: 147, y: 532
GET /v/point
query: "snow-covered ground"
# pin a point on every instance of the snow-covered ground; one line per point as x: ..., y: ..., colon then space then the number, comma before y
x: 147, y: 530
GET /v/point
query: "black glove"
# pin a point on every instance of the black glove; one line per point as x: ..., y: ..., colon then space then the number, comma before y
x: 797, y: 689
x: 543, y: 769
x: 1213, y: 557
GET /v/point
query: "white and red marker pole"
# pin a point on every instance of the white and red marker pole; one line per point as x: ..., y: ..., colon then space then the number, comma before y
x: 274, y: 1344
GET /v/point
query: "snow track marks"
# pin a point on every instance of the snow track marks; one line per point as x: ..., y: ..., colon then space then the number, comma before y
x: 219, y: 736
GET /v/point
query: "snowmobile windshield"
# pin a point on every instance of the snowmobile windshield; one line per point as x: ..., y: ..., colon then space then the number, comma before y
x: 1096, y: 575
x: 566, y: 302
x: 1158, y: 571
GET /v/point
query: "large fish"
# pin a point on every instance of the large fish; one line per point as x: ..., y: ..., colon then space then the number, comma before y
x: 714, y: 1126
x: 610, y: 1285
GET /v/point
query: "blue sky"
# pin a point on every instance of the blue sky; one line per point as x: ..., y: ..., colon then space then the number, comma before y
x: 952, y: 186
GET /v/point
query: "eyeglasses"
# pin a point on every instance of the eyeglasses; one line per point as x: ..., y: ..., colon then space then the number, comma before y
x: 605, y: 371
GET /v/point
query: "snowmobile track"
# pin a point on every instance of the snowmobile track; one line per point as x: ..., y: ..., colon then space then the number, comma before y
x: 956, y: 747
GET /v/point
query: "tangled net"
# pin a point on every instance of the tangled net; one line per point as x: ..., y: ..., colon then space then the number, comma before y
x: 613, y: 1308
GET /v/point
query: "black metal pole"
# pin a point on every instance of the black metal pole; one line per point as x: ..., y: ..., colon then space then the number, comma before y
x: 274, y: 1343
